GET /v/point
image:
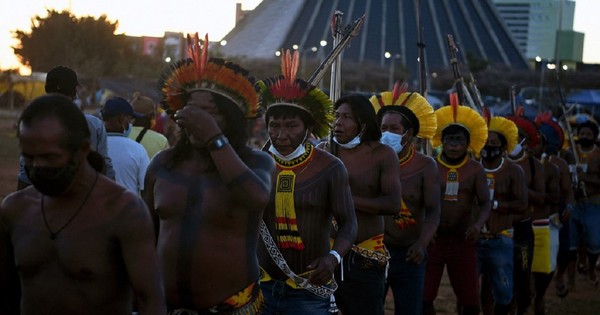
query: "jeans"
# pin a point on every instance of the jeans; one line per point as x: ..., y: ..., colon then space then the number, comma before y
x: 523, y: 257
x: 495, y: 261
x: 361, y: 290
x: 283, y: 299
x: 407, y: 281
x: 585, y: 218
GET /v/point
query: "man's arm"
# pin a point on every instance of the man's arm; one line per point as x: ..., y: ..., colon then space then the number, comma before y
x: 485, y: 204
x: 388, y: 201
x: 251, y: 187
x: 137, y: 240
x: 10, y: 291
x: 537, y: 194
x: 432, y: 210
x: 148, y: 192
x: 552, y: 188
x: 518, y: 200
x: 342, y: 207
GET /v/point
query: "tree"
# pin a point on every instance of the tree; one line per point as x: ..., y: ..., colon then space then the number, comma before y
x: 87, y: 44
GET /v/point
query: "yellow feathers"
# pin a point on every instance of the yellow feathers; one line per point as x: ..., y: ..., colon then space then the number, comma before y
x: 507, y: 128
x: 463, y: 116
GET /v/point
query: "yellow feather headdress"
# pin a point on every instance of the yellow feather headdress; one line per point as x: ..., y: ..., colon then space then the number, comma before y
x: 410, y: 104
x: 506, y: 128
x: 201, y: 73
x: 287, y: 90
x: 465, y: 117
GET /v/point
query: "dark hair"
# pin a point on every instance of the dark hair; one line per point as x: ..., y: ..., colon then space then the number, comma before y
x: 364, y: 114
x: 57, y: 106
x: 235, y: 130
x: 454, y: 129
x: 589, y: 124
x: 63, y: 80
x: 407, y: 121
x: 288, y: 112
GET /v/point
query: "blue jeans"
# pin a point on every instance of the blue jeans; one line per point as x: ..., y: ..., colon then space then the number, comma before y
x: 495, y: 261
x: 407, y: 281
x: 283, y: 299
x: 361, y: 290
x: 585, y: 219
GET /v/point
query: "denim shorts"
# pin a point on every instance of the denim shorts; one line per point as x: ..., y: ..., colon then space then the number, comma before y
x: 585, y: 222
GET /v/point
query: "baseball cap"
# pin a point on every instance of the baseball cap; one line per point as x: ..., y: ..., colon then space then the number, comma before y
x: 142, y: 104
x: 117, y: 106
x: 61, y: 79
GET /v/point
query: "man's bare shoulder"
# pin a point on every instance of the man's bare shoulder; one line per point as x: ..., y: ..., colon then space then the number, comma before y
x: 115, y: 197
x: 325, y: 158
x: 423, y: 160
x: 258, y: 159
x: 474, y: 165
x: 15, y: 202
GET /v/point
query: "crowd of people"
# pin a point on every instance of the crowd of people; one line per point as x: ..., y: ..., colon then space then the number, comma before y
x: 345, y: 201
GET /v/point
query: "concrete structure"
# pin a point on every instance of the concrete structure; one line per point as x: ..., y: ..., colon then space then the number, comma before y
x: 390, y: 27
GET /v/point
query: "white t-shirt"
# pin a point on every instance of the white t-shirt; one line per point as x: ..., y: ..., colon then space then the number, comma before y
x: 129, y: 160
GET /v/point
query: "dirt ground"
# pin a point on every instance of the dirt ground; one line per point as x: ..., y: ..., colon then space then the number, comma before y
x: 585, y: 300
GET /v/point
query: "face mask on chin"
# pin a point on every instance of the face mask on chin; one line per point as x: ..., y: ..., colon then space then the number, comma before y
x: 491, y: 153
x: 52, y: 181
x: 517, y: 150
x: 300, y: 149
x: 352, y: 143
x: 394, y: 140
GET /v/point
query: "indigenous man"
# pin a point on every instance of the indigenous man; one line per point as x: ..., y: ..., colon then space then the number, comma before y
x: 208, y: 192
x: 587, y: 213
x: 374, y: 174
x: 509, y: 196
x: 311, y: 189
x: 522, y: 225
x: 463, y: 183
x: 553, y: 136
x: 402, y: 116
x: 78, y: 240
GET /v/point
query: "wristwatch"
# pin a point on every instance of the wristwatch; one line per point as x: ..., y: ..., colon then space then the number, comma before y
x: 217, y: 142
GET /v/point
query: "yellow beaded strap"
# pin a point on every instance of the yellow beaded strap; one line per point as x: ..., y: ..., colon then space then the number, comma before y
x: 452, y: 180
x: 285, y: 211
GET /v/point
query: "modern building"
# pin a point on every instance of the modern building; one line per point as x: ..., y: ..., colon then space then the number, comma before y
x: 534, y: 24
x: 390, y: 30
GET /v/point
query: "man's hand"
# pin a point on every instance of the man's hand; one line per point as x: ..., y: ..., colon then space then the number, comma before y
x: 415, y: 254
x: 198, y: 124
x: 473, y: 232
x: 322, y: 269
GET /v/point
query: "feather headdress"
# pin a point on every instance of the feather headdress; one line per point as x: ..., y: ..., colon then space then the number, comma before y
x: 507, y: 129
x: 287, y: 90
x: 201, y: 73
x: 526, y: 127
x: 411, y: 105
x: 464, y: 116
x: 555, y: 136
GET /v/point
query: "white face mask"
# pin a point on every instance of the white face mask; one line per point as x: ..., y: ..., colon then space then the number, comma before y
x: 394, y: 140
x: 295, y: 154
x: 127, y: 131
x: 352, y: 143
x: 517, y: 150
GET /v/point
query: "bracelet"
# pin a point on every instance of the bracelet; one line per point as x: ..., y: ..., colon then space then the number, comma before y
x: 336, y: 255
x: 217, y: 142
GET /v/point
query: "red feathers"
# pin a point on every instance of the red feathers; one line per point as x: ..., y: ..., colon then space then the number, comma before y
x: 454, y: 103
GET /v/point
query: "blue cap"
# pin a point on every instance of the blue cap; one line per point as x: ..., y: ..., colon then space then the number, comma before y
x: 117, y: 106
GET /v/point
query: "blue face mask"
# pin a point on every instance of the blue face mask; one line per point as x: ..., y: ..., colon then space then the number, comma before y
x: 394, y: 140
